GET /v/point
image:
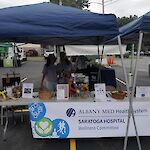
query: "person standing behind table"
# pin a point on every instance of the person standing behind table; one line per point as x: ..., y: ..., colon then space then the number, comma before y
x: 64, y: 68
x: 50, y: 73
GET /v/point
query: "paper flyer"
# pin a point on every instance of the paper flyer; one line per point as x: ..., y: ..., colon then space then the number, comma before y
x: 62, y: 91
x: 143, y: 91
x: 100, y: 91
x: 27, y: 90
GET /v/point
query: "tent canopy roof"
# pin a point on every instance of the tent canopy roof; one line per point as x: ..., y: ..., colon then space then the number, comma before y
x: 130, y: 31
x: 55, y: 24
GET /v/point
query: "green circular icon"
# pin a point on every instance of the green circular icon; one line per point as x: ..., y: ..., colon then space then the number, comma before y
x: 44, y: 127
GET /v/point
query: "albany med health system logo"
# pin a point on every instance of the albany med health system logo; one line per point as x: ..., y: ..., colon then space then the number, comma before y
x: 70, y: 112
x: 43, y: 126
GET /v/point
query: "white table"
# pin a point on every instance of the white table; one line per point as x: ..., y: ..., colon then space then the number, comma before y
x: 90, y: 101
x: 26, y: 102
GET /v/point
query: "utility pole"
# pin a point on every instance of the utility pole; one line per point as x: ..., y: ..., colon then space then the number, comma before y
x: 60, y: 2
x: 103, y: 6
x: 97, y: 5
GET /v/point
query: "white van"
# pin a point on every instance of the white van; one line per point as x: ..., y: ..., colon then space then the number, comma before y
x: 21, y: 54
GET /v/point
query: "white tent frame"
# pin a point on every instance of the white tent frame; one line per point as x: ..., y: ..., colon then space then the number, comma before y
x: 131, y: 91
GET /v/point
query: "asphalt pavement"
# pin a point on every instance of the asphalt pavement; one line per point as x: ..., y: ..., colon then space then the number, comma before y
x: 143, y: 76
x: 31, y: 69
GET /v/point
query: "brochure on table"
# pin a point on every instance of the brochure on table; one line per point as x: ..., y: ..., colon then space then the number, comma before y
x: 100, y: 92
x: 142, y: 91
x: 62, y: 91
x: 27, y: 90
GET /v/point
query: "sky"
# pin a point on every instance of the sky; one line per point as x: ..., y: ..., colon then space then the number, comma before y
x: 118, y: 7
x: 128, y: 7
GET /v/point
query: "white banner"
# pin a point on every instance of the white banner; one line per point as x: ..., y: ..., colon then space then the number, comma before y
x: 77, y: 50
x: 87, y: 119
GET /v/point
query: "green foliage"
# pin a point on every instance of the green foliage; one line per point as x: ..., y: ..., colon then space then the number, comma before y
x: 124, y: 20
x: 73, y: 3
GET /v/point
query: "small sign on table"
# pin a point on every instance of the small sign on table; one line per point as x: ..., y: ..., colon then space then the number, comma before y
x: 100, y: 91
x: 62, y: 91
x: 27, y: 90
x: 143, y: 91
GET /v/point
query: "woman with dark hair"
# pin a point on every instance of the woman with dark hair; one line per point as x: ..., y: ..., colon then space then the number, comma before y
x: 64, y: 68
x: 50, y: 73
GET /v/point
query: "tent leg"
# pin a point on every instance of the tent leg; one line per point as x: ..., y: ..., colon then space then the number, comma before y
x: 131, y: 96
x: 127, y: 85
x: 127, y: 130
x: 133, y: 87
x: 130, y: 87
x: 132, y: 56
x: 99, y: 71
x: 100, y: 63
x: 122, y: 62
x: 131, y: 68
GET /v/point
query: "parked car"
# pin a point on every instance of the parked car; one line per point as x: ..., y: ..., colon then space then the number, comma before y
x: 47, y: 53
x: 127, y: 54
x: 147, y: 53
x: 141, y: 53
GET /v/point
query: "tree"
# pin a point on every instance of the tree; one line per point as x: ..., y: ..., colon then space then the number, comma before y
x: 73, y: 3
x: 124, y: 20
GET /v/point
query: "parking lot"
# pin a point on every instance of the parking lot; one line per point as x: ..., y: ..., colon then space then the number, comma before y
x: 32, y: 69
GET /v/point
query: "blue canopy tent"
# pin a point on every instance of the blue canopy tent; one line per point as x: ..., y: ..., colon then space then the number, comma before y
x: 130, y: 31
x: 135, y: 32
x: 48, y: 23
x: 55, y: 24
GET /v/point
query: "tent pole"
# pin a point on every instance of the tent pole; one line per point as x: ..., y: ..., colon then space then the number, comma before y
x: 99, y: 70
x: 127, y: 86
x: 102, y: 54
x: 57, y: 48
x: 130, y: 103
x: 122, y: 62
x: 131, y: 112
x: 132, y: 56
x: 131, y: 68
x: 133, y: 86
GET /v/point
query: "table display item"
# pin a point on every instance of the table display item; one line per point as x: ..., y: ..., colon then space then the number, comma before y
x: 84, y: 90
x: 10, y: 79
x: 27, y: 90
x: 143, y: 91
x: 74, y: 89
x: 3, y: 95
x: 45, y: 95
x: 119, y: 95
x: 100, y: 91
x: 9, y: 91
x: 16, y: 92
x: 62, y: 91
